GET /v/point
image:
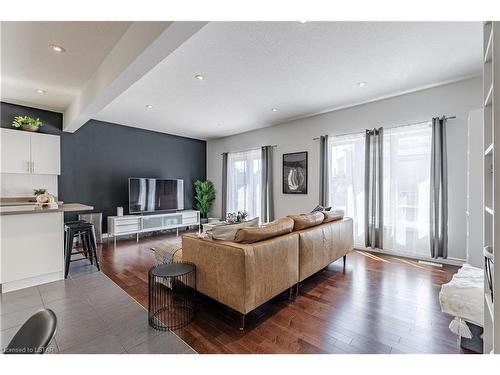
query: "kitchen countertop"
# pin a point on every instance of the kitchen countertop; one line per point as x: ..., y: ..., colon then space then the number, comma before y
x: 35, y: 209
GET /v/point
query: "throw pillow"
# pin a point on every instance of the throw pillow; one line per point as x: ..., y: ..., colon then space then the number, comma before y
x: 320, y: 208
x: 306, y: 220
x: 335, y: 214
x: 273, y: 229
x: 228, y: 231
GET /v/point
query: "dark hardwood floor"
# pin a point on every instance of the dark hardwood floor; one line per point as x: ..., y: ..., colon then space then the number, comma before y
x: 378, y: 304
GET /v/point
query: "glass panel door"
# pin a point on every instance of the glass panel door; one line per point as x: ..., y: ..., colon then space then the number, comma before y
x: 244, y: 182
x: 346, y: 179
x: 407, y: 152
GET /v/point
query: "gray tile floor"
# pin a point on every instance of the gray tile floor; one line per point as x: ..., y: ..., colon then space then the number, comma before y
x: 94, y: 316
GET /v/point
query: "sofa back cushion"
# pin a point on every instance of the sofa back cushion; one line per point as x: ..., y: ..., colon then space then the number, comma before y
x: 306, y: 220
x: 273, y: 229
x: 227, y: 232
x: 335, y: 214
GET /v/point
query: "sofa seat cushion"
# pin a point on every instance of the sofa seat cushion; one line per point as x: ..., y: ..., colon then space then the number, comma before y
x: 306, y: 220
x: 333, y: 215
x: 273, y: 229
x: 227, y: 232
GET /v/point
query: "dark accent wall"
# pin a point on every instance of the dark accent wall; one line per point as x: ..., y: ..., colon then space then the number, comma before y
x: 52, y: 121
x: 98, y: 159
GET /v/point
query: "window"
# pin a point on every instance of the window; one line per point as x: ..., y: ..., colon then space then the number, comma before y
x: 244, y: 182
x: 347, y: 181
x: 406, y: 181
x: 407, y: 160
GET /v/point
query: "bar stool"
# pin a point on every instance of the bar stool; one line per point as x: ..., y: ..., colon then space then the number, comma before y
x: 85, y: 231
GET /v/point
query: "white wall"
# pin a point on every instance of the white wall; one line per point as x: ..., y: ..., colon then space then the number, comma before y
x: 452, y: 99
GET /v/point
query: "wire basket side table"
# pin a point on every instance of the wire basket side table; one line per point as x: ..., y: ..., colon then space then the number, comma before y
x: 171, y: 295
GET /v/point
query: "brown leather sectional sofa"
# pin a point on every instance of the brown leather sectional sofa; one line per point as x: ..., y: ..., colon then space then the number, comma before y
x: 244, y: 276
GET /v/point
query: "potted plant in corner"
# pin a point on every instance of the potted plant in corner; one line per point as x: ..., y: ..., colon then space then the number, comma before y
x: 27, y: 123
x: 204, y: 196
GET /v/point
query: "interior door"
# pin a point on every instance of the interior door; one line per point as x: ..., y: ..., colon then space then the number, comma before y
x: 45, y: 154
x: 15, y: 152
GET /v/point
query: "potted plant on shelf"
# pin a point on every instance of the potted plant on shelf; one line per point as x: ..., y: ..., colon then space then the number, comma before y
x: 27, y: 123
x: 204, y: 196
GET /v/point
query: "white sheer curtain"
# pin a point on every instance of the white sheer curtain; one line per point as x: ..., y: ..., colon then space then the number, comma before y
x: 407, y: 152
x: 244, y: 182
x: 346, y: 179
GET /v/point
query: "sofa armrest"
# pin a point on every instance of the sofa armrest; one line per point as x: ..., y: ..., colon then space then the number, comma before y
x: 243, y: 276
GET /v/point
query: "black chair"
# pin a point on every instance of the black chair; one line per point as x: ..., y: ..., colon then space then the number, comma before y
x: 85, y: 231
x: 35, y: 335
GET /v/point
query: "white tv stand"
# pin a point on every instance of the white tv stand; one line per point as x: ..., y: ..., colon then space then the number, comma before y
x: 137, y: 224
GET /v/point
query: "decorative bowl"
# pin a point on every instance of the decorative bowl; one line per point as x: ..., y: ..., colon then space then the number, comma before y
x: 30, y: 127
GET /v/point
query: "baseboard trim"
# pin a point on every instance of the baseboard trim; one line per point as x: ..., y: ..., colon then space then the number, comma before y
x: 433, y: 264
x: 31, y: 281
x: 449, y: 261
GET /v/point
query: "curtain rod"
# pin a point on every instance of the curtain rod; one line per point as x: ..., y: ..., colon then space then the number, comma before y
x: 397, y: 126
x: 249, y: 149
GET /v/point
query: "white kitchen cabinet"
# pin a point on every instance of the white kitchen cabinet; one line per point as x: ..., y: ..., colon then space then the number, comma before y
x: 31, y: 251
x: 45, y: 154
x: 16, y: 151
x: 30, y: 153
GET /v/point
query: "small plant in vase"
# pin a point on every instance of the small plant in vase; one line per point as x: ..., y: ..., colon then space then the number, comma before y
x: 27, y: 123
x: 204, y: 196
x: 40, y: 191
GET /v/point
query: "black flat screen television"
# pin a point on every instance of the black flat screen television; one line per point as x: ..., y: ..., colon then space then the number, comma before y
x: 155, y: 194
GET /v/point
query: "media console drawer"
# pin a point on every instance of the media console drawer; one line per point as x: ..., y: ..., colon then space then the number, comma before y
x: 127, y: 227
x: 190, y: 214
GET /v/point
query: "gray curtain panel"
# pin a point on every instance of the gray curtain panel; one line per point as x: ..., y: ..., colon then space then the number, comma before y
x: 438, y: 233
x: 224, y: 187
x: 267, y: 201
x: 374, y: 219
x: 324, y: 190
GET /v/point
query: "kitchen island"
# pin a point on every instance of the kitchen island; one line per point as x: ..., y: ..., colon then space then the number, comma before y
x: 32, y: 243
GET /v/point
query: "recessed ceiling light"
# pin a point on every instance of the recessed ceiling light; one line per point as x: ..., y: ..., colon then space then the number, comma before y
x: 274, y: 109
x: 40, y: 91
x: 200, y: 77
x: 303, y: 22
x: 361, y: 84
x: 57, y: 48
x: 149, y: 106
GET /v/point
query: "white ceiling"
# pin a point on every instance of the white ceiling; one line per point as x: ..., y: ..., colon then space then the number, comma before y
x: 249, y: 68
x: 28, y: 63
x: 302, y: 69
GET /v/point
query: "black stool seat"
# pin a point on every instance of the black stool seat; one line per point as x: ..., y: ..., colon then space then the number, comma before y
x: 35, y: 334
x: 85, y: 231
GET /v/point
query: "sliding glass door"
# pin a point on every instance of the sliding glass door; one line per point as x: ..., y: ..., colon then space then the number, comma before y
x: 407, y: 153
x: 347, y: 179
x: 406, y: 178
x: 244, y: 182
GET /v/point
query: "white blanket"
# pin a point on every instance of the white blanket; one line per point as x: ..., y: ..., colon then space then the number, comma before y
x: 463, y: 297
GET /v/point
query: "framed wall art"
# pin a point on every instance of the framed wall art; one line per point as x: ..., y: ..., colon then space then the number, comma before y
x: 295, y: 173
